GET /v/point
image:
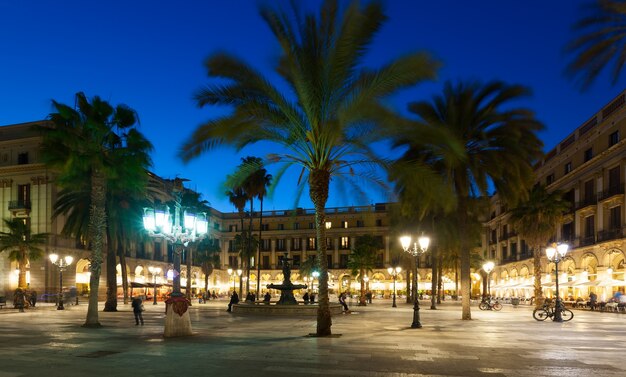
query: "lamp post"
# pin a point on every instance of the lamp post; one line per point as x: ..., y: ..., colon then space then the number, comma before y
x: 314, y: 275
x: 181, y: 229
x: 154, y: 271
x: 556, y: 253
x: 416, y: 250
x: 394, y: 271
x: 62, y: 264
x: 230, y: 275
x: 488, y: 267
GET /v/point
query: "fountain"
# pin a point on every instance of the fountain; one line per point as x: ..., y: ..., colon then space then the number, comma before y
x: 287, y: 304
x: 287, y: 287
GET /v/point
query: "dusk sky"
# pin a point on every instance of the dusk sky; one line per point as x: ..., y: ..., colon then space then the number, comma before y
x: 149, y: 55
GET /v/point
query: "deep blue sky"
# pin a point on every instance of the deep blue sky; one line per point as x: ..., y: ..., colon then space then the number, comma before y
x: 149, y: 54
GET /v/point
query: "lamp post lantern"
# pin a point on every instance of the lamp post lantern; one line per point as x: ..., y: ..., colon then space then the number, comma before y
x: 62, y: 264
x: 181, y: 229
x: 418, y: 248
x: 394, y: 271
x: 556, y: 253
x: 488, y: 267
x: 154, y: 271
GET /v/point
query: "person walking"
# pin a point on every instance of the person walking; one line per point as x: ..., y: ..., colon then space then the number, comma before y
x: 342, y: 301
x: 137, y: 305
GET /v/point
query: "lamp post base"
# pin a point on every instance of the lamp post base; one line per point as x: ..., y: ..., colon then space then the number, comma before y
x: 176, y: 325
x: 416, y: 315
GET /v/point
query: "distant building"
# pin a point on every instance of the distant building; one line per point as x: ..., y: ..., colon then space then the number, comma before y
x: 589, y: 166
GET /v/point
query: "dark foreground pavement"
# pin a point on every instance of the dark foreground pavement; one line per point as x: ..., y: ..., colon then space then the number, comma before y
x: 375, y: 341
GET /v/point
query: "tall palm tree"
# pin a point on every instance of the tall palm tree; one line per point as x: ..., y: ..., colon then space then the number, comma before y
x: 600, y: 41
x: 327, y: 120
x: 499, y: 144
x: 535, y: 220
x: 192, y: 201
x: 208, y: 257
x: 23, y: 246
x: 362, y: 259
x: 95, y: 144
x: 255, y: 183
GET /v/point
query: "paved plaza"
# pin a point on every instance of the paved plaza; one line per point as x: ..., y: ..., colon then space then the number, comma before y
x: 375, y: 341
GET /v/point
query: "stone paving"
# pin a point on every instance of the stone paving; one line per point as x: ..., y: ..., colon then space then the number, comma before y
x: 375, y: 341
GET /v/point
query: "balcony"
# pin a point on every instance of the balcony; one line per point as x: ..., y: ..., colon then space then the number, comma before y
x: 612, y: 191
x: 588, y: 240
x: 590, y: 200
x: 610, y: 234
x: 20, y: 208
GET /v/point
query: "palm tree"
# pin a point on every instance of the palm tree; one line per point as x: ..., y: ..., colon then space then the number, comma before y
x: 94, y: 144
x: 192, y: 201
x: 498, y: 143
x: 362, y: 260
x: 208, y: 257
x: 600, y: 42
x: 536, y: 219
x: 23, y: 246
x: 331, y: 114
x: 255, y: 183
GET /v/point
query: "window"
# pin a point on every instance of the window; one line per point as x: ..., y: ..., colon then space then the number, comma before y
x: 311, y: 244
x: 158, y: 253
x: 505, y: 253
x: 232, y: 228
x: 360, y: 224
x: 296, y: 226
x: 345, y: 242
x: 329, y: 243
x: 568, y: 168
x: 265, y: 227
x: 379, y: 222
x: 590, y: 192
x: 311, y: 225
x: 266, y: 261
x: 494, y: 237
x: 296, y: 260
x: 344, y: 224
x: 550, y: 179
x: 266, y: 244
x: 567, y: 231
x: 296, y: 244
x: 588, y: 154
x: 613, y: 138
x: 231, y: 246
x: 232, y: 261
x: 280, y: 244
x: 513, y: 249
x: 505, y: 233
x: 329, y: 260
x: 23, y: 196
x: 614, y: 180
x: 22, y: 158
x: 281, y: 226
x: 589, y: 226
x: 615, y: 218
x: 141, y: 250
x: 216, y: 226
x: 343, y: 260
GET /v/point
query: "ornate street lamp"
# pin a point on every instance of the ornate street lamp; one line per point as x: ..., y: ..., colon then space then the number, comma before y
x: 488, y: 267
x: 416, y: 250
x: 154, y: 271
x: 62, y: 264
x: 394, y: 271
x: 556, y: 253
x: 181, y: 229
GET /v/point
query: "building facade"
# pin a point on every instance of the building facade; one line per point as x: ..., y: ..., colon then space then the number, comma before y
x: 589, y: 167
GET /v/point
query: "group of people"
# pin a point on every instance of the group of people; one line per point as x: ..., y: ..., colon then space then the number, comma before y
x: 206, y: 296
x: 309, y: 298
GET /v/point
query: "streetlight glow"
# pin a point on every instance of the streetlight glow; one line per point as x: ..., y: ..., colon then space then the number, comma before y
x: 419, y: 247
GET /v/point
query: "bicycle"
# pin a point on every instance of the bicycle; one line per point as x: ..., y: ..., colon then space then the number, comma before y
x: 488, y: 304
x: 547, y: 311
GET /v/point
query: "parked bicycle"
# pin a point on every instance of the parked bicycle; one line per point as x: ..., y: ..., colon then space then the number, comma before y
x: 548, y: 311
x: 488, y: 304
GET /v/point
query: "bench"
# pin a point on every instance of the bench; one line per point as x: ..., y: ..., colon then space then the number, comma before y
x: 3, y: 302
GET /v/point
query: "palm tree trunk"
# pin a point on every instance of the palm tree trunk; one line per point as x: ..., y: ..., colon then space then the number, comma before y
x: 21, y: 262
x: 319, y: 181
x: 258, y: 259
x: 97, y: 227
x: 362, y: 301
x: 433, y: 280
x: 122, y: 256
x: 537, y: 272
x: 110, y: 305
x: 249, y: 253
x: 189, y: 257
x: 466, y: 313
x: 439, y: 277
